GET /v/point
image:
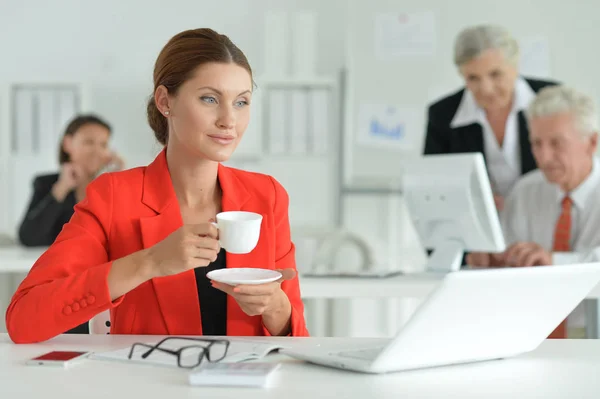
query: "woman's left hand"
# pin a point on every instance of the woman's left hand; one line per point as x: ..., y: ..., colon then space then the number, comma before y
x: 260, y: 299
x: 266, y: 300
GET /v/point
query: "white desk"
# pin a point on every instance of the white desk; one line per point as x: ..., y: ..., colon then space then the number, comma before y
x: 557, y: 369
x: 406, y: 286
x: 19, y: 260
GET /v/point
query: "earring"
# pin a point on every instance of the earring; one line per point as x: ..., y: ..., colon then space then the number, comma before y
x: 167, y: 112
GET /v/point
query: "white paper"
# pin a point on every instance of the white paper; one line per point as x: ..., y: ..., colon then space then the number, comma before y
x: 239, y: 350
x: 535, y: 57
x: 388, y: 126
x: 404, y: 34
x: 299, y: 122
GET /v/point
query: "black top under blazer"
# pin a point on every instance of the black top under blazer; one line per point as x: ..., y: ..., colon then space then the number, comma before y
x: 443, y: 139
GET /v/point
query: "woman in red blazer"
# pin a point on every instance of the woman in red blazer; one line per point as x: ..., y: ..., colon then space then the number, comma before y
x: 141, y: 241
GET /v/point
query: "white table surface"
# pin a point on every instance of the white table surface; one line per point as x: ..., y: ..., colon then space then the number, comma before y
x: 557, y: 369
x: 18, y: 259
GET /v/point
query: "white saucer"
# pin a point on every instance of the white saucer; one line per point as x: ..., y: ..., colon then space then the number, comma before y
x: 244, y: 275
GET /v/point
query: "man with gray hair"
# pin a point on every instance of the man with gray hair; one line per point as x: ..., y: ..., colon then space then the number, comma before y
x: 552, y: 215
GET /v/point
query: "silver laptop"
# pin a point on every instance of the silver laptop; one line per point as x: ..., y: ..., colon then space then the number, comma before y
x: 473, y: 315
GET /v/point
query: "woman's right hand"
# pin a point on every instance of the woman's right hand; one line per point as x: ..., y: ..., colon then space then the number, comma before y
x: 69, y: 178
x: 186, y: 248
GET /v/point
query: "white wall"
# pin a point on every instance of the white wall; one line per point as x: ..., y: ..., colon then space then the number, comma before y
x: 416, y: 80
x: 110, y: 48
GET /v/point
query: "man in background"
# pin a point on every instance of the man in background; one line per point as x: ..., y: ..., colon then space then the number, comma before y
x: 552, y: 215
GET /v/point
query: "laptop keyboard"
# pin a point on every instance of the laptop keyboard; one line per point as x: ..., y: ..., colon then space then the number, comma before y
x: 364, y: 354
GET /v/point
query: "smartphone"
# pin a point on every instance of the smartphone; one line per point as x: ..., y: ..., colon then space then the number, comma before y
x: 58, y: 359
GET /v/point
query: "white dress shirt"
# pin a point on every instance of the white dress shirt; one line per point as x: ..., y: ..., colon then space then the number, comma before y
x: 503, y: 163
x: 534, y: 206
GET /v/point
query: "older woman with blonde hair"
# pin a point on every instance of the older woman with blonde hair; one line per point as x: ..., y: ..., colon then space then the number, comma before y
x: 487, y: 114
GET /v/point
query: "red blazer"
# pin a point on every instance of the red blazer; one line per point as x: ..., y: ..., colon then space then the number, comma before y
x: 127, y: 211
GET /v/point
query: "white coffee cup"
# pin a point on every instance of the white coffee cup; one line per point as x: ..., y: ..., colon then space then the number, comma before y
x: 238, y: 230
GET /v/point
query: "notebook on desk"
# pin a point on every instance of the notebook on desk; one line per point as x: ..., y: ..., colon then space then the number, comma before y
x: 239, y: 350
x: 233, y: 374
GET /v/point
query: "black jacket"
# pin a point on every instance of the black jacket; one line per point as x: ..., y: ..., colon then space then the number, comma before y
x: 45, y: 216
x: 443, y: 139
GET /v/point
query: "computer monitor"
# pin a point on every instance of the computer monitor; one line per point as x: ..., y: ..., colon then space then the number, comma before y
x: 451, y: 204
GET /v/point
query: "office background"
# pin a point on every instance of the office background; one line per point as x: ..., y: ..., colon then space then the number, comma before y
x: 98, y: 57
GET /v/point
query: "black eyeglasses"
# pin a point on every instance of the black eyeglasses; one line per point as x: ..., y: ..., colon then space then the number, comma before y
x: 188, y: 356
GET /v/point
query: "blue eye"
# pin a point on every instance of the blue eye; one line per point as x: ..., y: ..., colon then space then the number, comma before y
x: 241, y: 103
x: 208, y: 99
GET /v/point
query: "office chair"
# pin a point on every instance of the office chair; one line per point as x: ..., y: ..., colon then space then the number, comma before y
x: 100, y: 324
